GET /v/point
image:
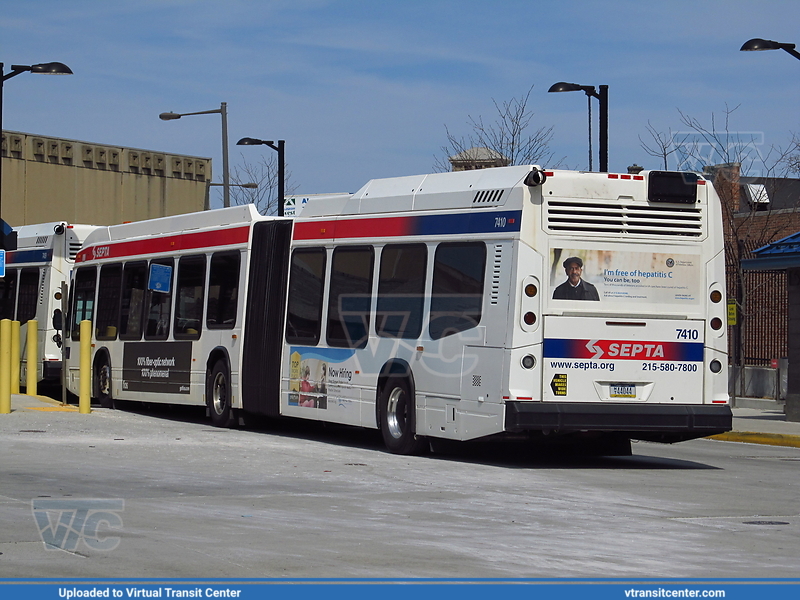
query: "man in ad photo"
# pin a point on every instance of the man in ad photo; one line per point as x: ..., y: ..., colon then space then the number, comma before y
x: 575, y: 288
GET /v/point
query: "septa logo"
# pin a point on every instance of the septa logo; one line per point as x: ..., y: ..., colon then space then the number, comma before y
x: 634, y: 350
x: 623, y: 350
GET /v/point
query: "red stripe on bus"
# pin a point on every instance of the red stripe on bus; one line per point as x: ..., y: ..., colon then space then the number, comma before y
x: 385, y: 227
x: 314, y: 231
x: 169, y: 243
x: 352, y: 228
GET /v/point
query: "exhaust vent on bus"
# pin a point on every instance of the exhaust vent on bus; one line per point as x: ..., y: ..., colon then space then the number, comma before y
x: 74, y: 248
x: 498, y: 263
x: 487, y: 197
x: 629, y: 219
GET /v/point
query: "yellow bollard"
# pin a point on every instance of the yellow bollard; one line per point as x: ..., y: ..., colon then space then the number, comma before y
x: 32, y: 357
x: 85, y: 397
x: 15, y: 348
x: 5, y: 366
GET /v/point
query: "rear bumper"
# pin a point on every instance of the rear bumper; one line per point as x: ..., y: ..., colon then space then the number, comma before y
x: 655, y: 422
x: 51, y: 370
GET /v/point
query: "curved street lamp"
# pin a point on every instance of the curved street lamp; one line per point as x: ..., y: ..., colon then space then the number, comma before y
x: 602, y: 96
x: 51, y: 68
x: 757, y: 44
x: 223, y: 111
x: 247, y: 141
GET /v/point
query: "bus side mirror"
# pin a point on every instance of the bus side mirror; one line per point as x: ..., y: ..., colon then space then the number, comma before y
x: 58, y: 324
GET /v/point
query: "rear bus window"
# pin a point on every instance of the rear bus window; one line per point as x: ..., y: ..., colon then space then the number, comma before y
x: 306, y: 281
x: 401, y: 289
x: 350, y: 296
x: 189, y: 297
x: 223, y: 290
x: 28, y: 294
x: 83, y: 299
x: 457, y: 294
x: 133, y: 286
x: 108, y: 297
x: 159, y: 303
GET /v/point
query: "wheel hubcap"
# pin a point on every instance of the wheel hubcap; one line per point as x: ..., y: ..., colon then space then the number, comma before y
x: 220, y: 394
x: 396, y: 413
x: 105, y: 380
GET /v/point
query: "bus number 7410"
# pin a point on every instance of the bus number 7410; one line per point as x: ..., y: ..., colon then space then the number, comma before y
x: 687, y: 334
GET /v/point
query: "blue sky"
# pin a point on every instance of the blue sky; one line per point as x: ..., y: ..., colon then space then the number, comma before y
x: 364, y: 89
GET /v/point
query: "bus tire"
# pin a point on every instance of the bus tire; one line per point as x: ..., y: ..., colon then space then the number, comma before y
x: 218, y: 395
x: 398, y: 417
x: 103, y: 384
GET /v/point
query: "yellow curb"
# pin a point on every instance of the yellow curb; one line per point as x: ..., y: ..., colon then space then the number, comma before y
x: 45, y: 399
x: 769, y: 439
x: 53, y: 408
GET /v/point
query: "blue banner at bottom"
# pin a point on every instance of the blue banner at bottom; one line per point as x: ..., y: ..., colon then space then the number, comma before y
x: 370, y: 589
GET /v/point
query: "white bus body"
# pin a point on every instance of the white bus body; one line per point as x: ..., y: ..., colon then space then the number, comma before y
x: 31, y: 288
x: 424, y: 306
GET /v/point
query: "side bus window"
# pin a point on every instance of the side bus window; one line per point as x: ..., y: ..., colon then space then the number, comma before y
x: 159, y: 304
x: 306, y: 284
x: 350, y: 296
x: 8, y: 294
x: 189, y: 297
x: 223, y: 290
x: 108, y: 297
x: 83, y: 299
x: 401, y: 291
x: 28, y: 294
x: 134, y: 280
x: 457, y: 294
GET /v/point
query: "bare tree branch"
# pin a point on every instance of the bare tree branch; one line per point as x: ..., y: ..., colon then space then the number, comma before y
x: 264, y: 173
x: 507, y: 136
x: 663, y: 144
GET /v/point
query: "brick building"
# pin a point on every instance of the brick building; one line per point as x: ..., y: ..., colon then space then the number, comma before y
x: 756, y: 211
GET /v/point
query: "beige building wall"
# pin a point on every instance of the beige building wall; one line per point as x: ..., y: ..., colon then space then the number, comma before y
x: 51, y: 179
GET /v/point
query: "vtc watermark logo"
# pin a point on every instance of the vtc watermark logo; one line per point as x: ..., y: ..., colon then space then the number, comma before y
x: 697, y: 150
x: 64, y: 523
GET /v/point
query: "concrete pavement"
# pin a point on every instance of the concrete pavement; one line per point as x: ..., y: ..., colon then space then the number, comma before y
x: 764, y: 425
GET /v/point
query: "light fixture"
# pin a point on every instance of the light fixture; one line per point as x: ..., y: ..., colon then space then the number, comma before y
x: 602, y: 96
x: 51, y: 68
x: 757, y: 44
x: 223, y: 112
x: 280, y: 149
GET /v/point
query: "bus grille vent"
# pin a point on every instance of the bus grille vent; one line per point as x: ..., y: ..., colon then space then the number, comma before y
x: 74, y: 248
x: 570, y: 216
x: 42, y: 275
x: 41, y: 240
x: 487, y: 197
x: 498, y: 261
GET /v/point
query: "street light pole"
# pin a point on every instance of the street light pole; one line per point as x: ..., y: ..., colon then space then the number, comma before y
x: 280, y: 148
x: 53, y: 68
x: 602, y: 97
x: 223, y: 112
x: 757, y: 44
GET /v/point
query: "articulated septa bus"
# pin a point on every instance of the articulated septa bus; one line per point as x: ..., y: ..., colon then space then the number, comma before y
x: 506, y: 301
x: 31, y: 289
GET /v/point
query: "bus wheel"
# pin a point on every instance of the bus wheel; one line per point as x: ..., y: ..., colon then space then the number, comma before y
x: 218, y: 395
x: 103, y: 384
x: 397, y: 417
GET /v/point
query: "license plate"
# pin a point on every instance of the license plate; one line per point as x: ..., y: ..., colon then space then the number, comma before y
x: 623, y: 390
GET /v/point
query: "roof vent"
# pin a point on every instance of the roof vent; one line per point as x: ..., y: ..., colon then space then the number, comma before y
x: 487, y: 197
